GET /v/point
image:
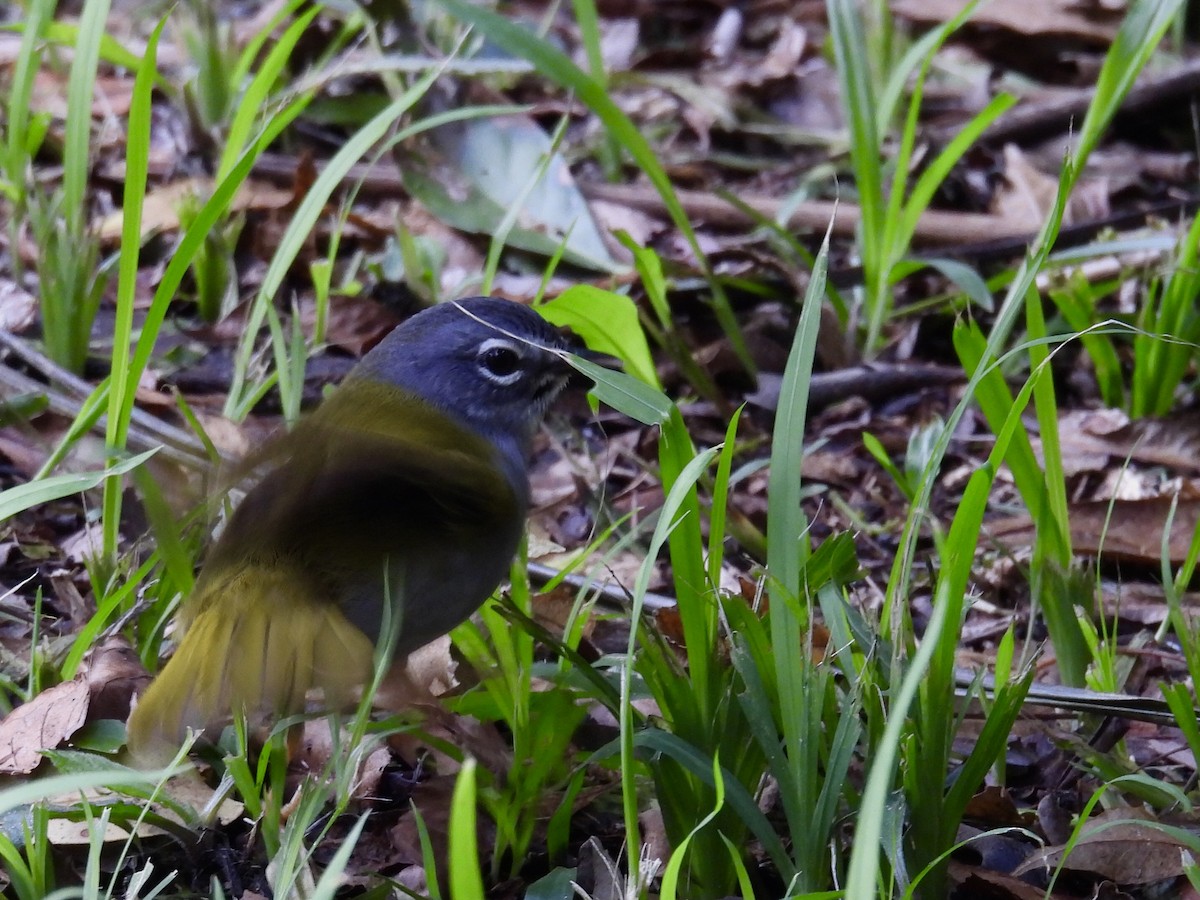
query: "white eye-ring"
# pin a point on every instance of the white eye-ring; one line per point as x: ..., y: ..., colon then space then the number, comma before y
x: 500, y: 361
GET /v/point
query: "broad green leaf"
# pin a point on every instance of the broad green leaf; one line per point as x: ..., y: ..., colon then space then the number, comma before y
x: 608, y: 323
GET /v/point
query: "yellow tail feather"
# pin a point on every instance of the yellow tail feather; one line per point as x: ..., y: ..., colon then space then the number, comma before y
x: 259, y: 641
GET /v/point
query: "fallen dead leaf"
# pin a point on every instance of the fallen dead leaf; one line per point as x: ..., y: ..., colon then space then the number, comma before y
x: 481, y: 740
x: 63, y: 832
x: 114, y: 673
x: 1122, y: 530
x: 639, y: 225
x: 24, y: 451
x: 189, y: 790
x: 432, y: 798
x: 1109, y: 433
x: 654, y: 834
x: 1120, y: 844
x: 68, y: 596
x: 161, y: 209
x: 974, y: 881
x: 1027, y: 194
x: 227, y: 436
x: 44, y: 723
x: 18, y: 308
x: 317, y: 748
x: 84, y: 544
x: 994, y: 807
x: 355, y: 325
x: 111, y: 95
x: 1062, y: 18
x: 553, y: 610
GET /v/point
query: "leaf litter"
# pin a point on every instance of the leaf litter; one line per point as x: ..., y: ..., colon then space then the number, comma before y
x: 737, y: 101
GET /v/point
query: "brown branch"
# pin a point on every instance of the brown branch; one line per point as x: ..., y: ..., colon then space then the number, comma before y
x: 936, y: 227
x: 1034, y: 120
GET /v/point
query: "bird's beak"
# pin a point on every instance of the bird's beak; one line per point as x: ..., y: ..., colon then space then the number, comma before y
x: 607, y: 360
x: 576, y: 380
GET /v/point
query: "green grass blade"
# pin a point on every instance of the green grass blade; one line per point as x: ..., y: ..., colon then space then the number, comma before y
x: 24, y: 496
x: 787, y: 542
x: 1144, y: 26
x: 466, y: 881
x: 701, y: 767
x: 121, y: 391
x: 939, y: 169
x: 847, y: 31
x: 335, y: 872
x: 38, y: 13
x: 77, y: 139
x: 624, y: 393
x: 254, y: 99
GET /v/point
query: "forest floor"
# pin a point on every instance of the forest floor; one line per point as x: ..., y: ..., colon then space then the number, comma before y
x: 924, y: 608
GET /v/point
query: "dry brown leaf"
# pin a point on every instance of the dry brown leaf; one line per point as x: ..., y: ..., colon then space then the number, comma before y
x: 1086, y: 435
x: 1064, y: 18
x: 542, y: 548
x: 1027, y: 194
x: 654, y: 834
x: 317, y: 748
x: 160, y: 212
x: 114, y: 673
x: 84, y: 544
x: 601, y: 876
x: 974, y: 881
x: 481, y: 740
x: 111, y: 96
x: 187, y: 790
x: 432, y: 668
x: 783, y: 58
x: 619, y: 38
x: 65, y: 833
x: 44, y: 723
x: 639, y: 225
x: 432, y: 797
x: 994, y: 807
x: 725, y: 34
x: 227, y: 436
x: 69, y: 598
x: 1135, y: 529
x: 23, y: 450
x: 1116, y: 845
x: 828, y: 467
x: 554, y: 480
x: 1128, y: 530
x: 62, y: 832
x: 1143, y: 603
x: 525, y: 288
x: 552, y: 610
x: 366, y: 784
x: 353, y: 324
x: 18, y: 308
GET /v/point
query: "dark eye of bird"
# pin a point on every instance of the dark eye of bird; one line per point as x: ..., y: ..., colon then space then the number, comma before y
x: 500, y: 361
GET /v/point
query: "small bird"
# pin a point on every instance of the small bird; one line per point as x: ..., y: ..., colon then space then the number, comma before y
x: 396, y: 506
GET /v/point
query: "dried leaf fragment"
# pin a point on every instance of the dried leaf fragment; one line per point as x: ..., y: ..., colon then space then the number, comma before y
x: 45, y: 722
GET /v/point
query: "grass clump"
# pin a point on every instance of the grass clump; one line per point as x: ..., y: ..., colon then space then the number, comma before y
x: 793, y: 742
